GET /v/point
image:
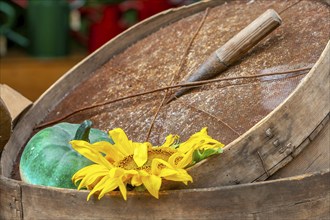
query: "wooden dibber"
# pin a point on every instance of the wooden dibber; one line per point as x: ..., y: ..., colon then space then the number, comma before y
x: 234, y: 49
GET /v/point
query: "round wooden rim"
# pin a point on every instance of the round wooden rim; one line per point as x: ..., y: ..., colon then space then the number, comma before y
x: 267, y: 148
x: 266, y: 156
x: 283, y: 198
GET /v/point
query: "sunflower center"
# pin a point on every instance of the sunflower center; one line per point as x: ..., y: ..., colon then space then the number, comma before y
x: 128, y: 162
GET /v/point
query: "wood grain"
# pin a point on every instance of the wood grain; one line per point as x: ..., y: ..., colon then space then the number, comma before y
x: 234, y: 49
x: 83, y: 69
x: 10, y: 199
x: 5, y: 125
x: 12, y: 104
x: 247, y: 38
x: 289, y: 126
x: 314, y: 157
x: 301, y: 197
x: 15, y: 102
x: 275, y: 139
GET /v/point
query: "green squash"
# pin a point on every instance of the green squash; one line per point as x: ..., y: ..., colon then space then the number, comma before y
x: 48, y: 159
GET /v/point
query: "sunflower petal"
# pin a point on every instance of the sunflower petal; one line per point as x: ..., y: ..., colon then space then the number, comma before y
x: 136, y: 180
x: 140, y: 154
x: 200, y: 140
x: 111, y: 185
x: 152, y: 184
x: 170, y: 140
x: 86, y: 149
x: 111, y: 152
x: 82, y: 173
x: 99, y: 186
x: 181, y: 160
x: 122, y: 188
x: 121, y: 141
x: 181, y: 175
x: 170, y: 172
x: 155, y: 166
x: 92, y: 175
x: 167, y: 172
x: 127, y: 162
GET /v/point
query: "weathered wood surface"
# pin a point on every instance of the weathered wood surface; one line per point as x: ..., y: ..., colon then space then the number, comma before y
x: 264, y: 149
x: 269, y: 145
x: 15, y: 102
x: 301, y: 197
x: 263, y: 153
x: 314, y: 157
x: 12, y: 104
x: 235, y: 48
x: 151, y: 63
x: 5, y: 125
x: 251, y: 35
x: 81, y: 72
x: 10, y: 199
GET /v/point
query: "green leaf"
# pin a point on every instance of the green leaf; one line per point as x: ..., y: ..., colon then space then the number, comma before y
x: 200, y: 155
x: 175, y: 145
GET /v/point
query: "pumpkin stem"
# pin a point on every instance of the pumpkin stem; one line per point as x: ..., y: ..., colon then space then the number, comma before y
x: 83, y: 131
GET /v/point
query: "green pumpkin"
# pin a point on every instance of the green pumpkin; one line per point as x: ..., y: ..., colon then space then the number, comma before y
x: 48, y: 159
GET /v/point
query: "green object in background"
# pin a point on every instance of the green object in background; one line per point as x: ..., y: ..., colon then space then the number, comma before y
x: 7, y: 21
x: 48, y: 28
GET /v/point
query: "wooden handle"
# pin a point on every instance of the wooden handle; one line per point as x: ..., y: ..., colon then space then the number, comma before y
x: 248, y: 37
x: 234, y: 49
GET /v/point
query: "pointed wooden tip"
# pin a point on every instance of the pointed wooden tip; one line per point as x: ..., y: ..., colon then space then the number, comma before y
x: 170, y: 99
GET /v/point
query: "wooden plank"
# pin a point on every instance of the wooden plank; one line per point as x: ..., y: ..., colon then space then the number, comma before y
x: 314, y: 157
x: 10, y: 199
x: 14, y: 101
x: 12, y: 104
x: 5, y: 124
x: 301, y: 197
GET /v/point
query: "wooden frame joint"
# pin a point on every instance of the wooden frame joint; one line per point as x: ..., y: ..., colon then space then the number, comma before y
x: 263, y: 164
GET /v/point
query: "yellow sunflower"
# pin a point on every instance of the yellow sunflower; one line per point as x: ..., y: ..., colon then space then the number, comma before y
x: 140, y: 164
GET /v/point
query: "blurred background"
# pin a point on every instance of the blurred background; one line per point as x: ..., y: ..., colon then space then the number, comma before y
x: 40, y: 40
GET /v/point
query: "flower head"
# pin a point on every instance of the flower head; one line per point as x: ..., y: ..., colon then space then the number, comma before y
x: 140, y: 164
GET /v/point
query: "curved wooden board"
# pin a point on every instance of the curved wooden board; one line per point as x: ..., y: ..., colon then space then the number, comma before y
x: 284, y: 198
x: 315, y: 156
x: 269, y: 145
x: 299, y: 197
x: 253, y: 156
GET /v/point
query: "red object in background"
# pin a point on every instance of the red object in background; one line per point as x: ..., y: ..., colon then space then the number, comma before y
x: 151, y: 7
x: 106, y: 21
x: 22, y: 3
x: 111, y: 23
x: 107, y: 28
